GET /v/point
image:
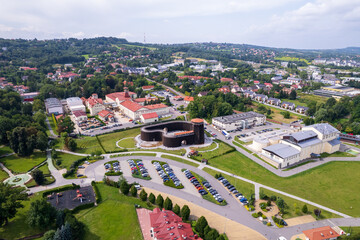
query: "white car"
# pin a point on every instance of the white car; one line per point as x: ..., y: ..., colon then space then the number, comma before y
x: 281, y: 238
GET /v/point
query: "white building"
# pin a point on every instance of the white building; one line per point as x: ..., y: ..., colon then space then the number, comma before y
x: 80, y: 116
x: 75, y: 104
x: 149, y: 117
x: 310, y: 142
x: 134, y: 110
x: 239, y: 121
x: 53, y: 106
x: 94, y: 104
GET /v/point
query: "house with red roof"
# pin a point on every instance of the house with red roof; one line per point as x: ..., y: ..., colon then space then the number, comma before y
x: 321, y: 233
x: 106, y: 116
x: 164, y: 224
x: 148, y: 88
x: 224, y: 89
x: 256, y: 82
x: 118, y: 97
x: 229, y: 80
x: 149, y: 117
x: 188, y: 99
x: 94, y: 104
x: 80, y: 116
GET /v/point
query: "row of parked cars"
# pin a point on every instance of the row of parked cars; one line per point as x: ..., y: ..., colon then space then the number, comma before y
x: 264, y: 130
x: 233, y: 190
x: 136, y: 166
x: 166, y: 173
x: 200, y: 188
x: 115, y: 166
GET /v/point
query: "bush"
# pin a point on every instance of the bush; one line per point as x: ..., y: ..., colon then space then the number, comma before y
x: 60, y: 189
x: 255, y: 215
x: 263, y: 205
x: 97, y: 192
x: 143, y: 195
x: 38, y: 176
x: 133, y: 191
x: 304, y: 209
x: 152, y: 198
x: 268, y: 224
x: 82, y: 207
x: 273, y: 198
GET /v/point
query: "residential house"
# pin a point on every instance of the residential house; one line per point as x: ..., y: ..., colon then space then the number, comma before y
x: 94, y: 104
x: 80, y: 116
x: 188, y: 99
x: 147, y: 88
x: 106, y: 116
x: 235, y: 89
x: 248, y: 93
x: 321, y: 233
x: 224, y: 89
x: 260, y: 98
x: 288, y: 105
x: 274, y: 101
x: 229, y: 80
x: 301, y: 109
x: 201, y: 94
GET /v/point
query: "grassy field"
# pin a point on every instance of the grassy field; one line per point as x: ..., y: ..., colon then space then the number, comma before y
x: 352, y: 230
x: 223, y: 148
x: 133, y: 46
x: 23, y: 164
x: 293, y: 204
x: 277, y: 116
x: 211, y: 147
x: 109, y: 140
x: 247, y: 189
x: 5, y: 150
x: 336, y: 154
x: 333, y: 188
x: 66, y: 160
x: 45, y: 169
x: 17, y: 227
x: 88, y: 145
x: 291, y: 59
x: 180, y: 160
x: 304, y: 99
x: 114, y: 218
x: 3, y: 175
x: 127, y: 143
x: 52, y: 125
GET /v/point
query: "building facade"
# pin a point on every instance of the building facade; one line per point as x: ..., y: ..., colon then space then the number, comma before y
x: 239, y: 121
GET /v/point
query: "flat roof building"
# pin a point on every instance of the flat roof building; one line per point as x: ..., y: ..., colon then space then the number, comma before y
x: 75, y: 104
x: 239, y: 121
x: 53, y: 106
x: 295, y: 147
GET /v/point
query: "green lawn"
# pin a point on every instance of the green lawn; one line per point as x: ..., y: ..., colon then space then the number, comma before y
x: 180, y: 160
x: 109, y: 140
x: 3, y: 175
x: 52, y: 125
x: 276, y: 114
x: 331, y: 184
x: 247, y: 189
x: 352, y: 230
x: 88, y: 145
x: 45, y: 169
x: 336, y: 154
x: 66, y: 160
x: 127, y: 143
x: 23, y: 164
x: 223, y: 148
x: 17, y: 227
x: 211, y: 147
x: 292, y: 59
x: 114, y: 218
x: 292, y: 204
x: 5, y: 150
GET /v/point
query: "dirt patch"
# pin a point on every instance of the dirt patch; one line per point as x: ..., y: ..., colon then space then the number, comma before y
x: 272, y: 210
x: 234, y: 230
x: 82, y: 170
x: 300, y: 220
x: 299, y: 236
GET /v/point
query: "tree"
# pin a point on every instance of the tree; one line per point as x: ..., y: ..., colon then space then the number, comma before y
x: 72, y: 145
x: 292, y: 95
x: 143, y: 195
x: 152, y: 198
x: 212, y: 234
x: 221, y: 237
x: 309, y: 121
x: 207, y: 229
x: 63, y: 233
x: 49, y: 235
x: 176, y: 209
x: 200, y: 225
x: 185, y: 212
x: 65, y: 125
x: 60, y: 218
x: 281, y: 204
x: 160, y: 201
x: 286, y: 114
x: 168, y: 204
x: 133, y: 191
x: 38, y: 176
x: 124, y: 187
x: 22, y: 140
x: 330, y: 102
x: 304, y: 209
x: 10, y: 201
x: 317, y: 212
x: 321, y: 115
x: 41, y: 141
x: 41, y: 214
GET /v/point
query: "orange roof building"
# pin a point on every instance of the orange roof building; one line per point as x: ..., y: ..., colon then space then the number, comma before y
x: 321, y: 233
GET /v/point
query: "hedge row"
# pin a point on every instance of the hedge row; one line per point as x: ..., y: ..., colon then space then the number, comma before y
x: 60, y: 189
x: 74, y: 166
x: 82, y: 207
x: 97, y: 192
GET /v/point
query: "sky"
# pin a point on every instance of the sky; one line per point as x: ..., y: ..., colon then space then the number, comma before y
x: 302, y: 24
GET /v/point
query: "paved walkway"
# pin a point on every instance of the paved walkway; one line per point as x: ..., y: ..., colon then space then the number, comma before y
x: 50, y: 129
x: 6, y: 170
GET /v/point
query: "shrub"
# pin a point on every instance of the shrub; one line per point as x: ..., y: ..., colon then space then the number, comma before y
x: 262, y: 205
x: 268, y: 224
x: 160, y: 201
x: 143, y: 195
x: 60, y: 189
x: 133, y: 191
x: 255, y: 215
x: 273, y: 198
x: 82, y: 207
x: 97, y: 192
x: 304, y: 209
x: 38, y: 176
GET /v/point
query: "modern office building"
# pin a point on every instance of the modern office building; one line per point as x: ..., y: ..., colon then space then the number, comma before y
x: 239, y: 121
x: 310, y: 142
x: 176, y: 133
x: 53, y: 106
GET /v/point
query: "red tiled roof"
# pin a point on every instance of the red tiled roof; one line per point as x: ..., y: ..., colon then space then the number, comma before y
x: 156, y: 106
x: 321, y: 233
x: 188, y: 99
x: 132, y: 106
x: 226, y: 80
x: 150, y: 115
x: 118, y: 95
x: 93, y: 101
x: 147, y: 87
x: 79, y: 113
x: 256, y: 82
x: 176, y: 97
x: 104, y: 113
x: 140, y: 100
x: 167, y: 225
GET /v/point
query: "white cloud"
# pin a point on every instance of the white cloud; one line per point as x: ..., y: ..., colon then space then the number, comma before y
x: 4, y: 28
